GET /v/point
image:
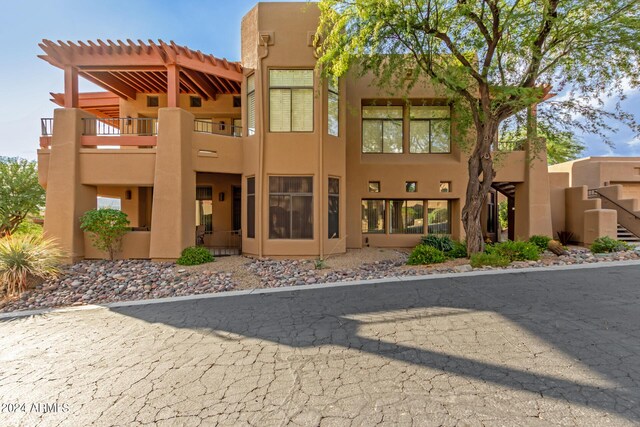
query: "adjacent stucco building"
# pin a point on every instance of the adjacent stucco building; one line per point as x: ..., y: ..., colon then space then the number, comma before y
x: 261, y: 156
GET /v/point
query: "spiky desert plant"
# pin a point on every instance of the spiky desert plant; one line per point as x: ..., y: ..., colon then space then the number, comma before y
x: 22, y: 256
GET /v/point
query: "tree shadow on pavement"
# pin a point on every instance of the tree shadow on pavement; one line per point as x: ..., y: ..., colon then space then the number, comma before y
x: 591, y: 316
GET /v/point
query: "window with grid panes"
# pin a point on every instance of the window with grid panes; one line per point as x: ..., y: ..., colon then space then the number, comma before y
x: 291, y: 100
x: 382, y: 129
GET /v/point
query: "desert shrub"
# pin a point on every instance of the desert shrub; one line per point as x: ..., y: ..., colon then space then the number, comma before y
x: 488, y: 259
x: 195, y: 255
x: 565, y: 237
x: 29, y: 227
x: 542, y: 242
x: 441, y: 242
x: 425, y: 254
x: 22, y: 256
x: 515, y: 250
x: 458, y: 250
x: 607, y: 244
x: 107, y: 227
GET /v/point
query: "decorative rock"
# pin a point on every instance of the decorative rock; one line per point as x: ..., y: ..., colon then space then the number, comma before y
x: 462, y: 268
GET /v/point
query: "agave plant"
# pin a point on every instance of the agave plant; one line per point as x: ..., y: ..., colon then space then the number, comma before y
x: 22, y: 256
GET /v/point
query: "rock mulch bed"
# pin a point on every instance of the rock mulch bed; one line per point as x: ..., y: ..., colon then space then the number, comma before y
x: 96, y: 282
x: 278, y: 273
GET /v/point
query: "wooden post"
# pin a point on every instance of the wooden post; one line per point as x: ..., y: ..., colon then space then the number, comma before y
x: 173, y: 85
x: 70, y: 87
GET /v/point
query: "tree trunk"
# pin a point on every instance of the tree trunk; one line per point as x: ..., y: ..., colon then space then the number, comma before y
x: 481, y: 175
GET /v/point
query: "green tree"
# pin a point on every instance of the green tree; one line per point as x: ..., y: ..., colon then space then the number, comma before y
x: 20, y: 193
x: 561, y: 145
x: 107, y: 228
x: 493, y: 59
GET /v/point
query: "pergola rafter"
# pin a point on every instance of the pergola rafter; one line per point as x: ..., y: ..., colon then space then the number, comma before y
x: 126, y: 68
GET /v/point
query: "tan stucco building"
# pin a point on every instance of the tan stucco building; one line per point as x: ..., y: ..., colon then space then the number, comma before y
x: 262, y: 156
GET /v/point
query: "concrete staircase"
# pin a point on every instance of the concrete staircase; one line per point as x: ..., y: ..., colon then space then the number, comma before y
x: 628, y: 211
x: 627, y: 236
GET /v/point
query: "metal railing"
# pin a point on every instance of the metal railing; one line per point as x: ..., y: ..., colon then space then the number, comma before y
x: 46, y: 127
x: 216, y: 128
x: 141, y: 126
x: 599, y: 194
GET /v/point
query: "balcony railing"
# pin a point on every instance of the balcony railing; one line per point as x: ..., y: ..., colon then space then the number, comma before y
x: 207, y: 126
x: 141, y: 126
x: 46, y: 127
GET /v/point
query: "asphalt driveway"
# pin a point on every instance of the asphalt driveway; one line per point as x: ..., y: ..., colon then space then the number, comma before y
x: 536, y: 348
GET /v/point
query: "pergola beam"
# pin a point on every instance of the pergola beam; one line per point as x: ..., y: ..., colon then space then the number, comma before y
x: 113, y: 84
x: 201, y: 82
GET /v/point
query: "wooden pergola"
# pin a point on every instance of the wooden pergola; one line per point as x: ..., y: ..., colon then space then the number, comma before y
x: 128, y: 68
x: 100, y: 104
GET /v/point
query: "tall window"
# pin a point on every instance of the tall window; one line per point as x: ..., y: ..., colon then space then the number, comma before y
x: 430, y: 129
x: 406, y: 216
x: 291, y: 100
x: 251, y: 207
x: 251, y: 105
x: 334, y: 208
x: 290, y: 207
x: 382, y: 129
x: 204, y: 208
x: 439, y: 217
x: 373, y: 218
x: 333, y: 109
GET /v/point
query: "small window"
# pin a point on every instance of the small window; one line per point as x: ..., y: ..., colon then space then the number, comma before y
x: 445, y: 186
x: 251, y: 105
x: 152, y: 101
x: 251, y: 207
x: 334, y: 208
x: 374, y: 186
x: 333, y: 111
x: 411, y: 186
x: 195, y: 102
x: 237, y: 102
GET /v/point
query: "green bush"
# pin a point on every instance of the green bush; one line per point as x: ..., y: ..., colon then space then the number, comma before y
x: 540, y: 241
x: 607, y: 244
x: 22, y: 256
x: 488, y: 259
x: 21, y: 195
x: 515, y: 250
x: 195, y: 255
x: 425, y: 254
x: 459, y: 250
x: 503, y: 214
x: 441, y: 242
x: 107, y: 227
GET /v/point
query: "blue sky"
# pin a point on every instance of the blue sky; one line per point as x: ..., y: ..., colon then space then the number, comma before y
x: 212, y: 27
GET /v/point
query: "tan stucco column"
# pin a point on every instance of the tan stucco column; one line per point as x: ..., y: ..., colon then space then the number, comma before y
x: 174, y: 189
x: 532, y: 201
x: 67, y: 199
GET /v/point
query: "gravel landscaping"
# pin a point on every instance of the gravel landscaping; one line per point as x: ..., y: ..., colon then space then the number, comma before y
x: 97, y: 282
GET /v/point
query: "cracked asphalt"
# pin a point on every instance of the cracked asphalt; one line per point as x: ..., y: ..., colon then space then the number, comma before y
x: 539, y: 348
